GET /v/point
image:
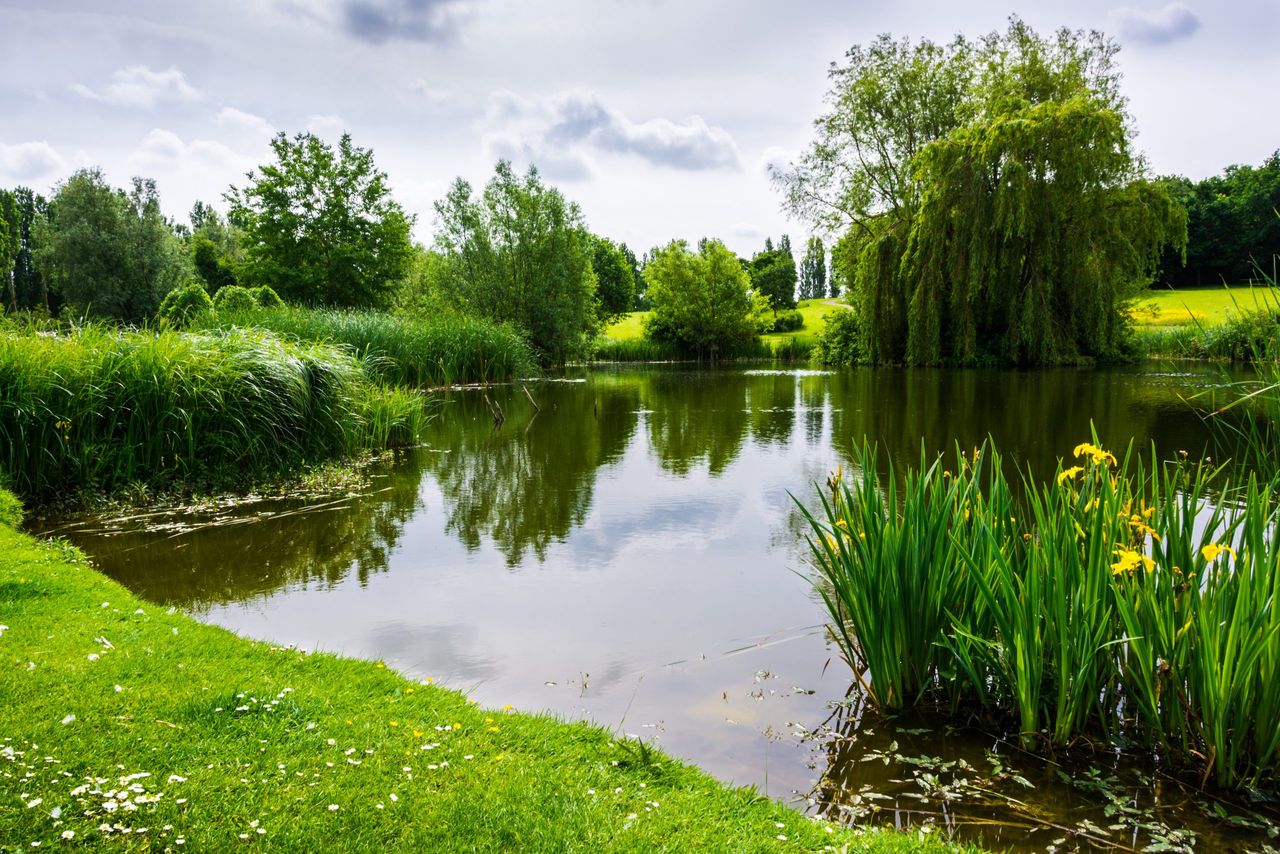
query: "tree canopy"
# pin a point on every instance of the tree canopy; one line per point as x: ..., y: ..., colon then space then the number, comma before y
x: 702, y: 301
x: 106, y: 251
x: 1233, y: 230
x: 813, y: 270
x: 773, y: 275
x: 993, y: 205
x: 520, y: 252
x: 615, y: 281
x: 320, y: 225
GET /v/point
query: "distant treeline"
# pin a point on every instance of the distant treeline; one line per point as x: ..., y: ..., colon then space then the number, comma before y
x: 1233, y: 228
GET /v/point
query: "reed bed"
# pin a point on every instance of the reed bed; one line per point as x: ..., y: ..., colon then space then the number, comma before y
x: 448, y: 349
x: 1122, y: 601
x: 98, y: 408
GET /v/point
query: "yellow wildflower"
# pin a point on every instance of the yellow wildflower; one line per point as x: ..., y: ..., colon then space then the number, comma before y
x: 1069, y: 474
x: 1212, y: 551
x: 1128, y: 560
x: 1098, y: 455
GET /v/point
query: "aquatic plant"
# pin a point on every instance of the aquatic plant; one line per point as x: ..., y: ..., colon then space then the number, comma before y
x: 1123, y: 599
x: 445, y: 350
x: 101, y: 408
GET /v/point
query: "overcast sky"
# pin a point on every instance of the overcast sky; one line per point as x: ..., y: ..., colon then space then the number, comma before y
x: 656, y: 116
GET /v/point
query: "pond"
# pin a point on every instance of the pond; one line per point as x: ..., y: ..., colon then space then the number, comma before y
x: 629, y: 553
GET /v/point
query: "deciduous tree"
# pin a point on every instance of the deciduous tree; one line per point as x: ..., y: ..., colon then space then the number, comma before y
x: 701, y: 300
x: 320, y: 225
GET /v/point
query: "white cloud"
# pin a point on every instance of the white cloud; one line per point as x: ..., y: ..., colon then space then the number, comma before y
x: 245, y: 125
x: 564, y: 130
x: 163, y: 149
x: 140, y: 86
x: 328, y: 127
x: 1155, y: 26
x: 29, y: 162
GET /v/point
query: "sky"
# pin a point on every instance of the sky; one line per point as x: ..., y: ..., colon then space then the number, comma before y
x: 658, y: 117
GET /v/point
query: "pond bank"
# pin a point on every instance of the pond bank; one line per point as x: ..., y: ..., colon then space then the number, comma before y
x: 122, y: 718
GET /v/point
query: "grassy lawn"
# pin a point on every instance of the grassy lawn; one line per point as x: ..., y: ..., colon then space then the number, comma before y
x: 1207, y: 306
x: 631, y: 326
x: 128, y: 725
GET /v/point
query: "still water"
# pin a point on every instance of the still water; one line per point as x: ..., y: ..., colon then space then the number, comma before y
x: 630, y: 554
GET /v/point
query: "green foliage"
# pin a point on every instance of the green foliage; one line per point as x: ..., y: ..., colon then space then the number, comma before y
x: 994, y: 207
x: 107, y: 252
x: 10, y: 509
x: 102, y: 409
x: 30, y: 289
x: 266, y: 297
x: 1233, y: 233
x: 186, y: 304
x: 521, y: 254
x: 773, y: 274
x: 813, y: 270
x: 419, y: 352
x: 233, y: 298
x: 788, y: 321
x: 837, y: 345
x: 10, y: 243
x: 701, y: 301
x: 615, y: 280
x: 640, y: 301
x: 1115, y: 601
x: 210, y: 264
x: 320, y: 226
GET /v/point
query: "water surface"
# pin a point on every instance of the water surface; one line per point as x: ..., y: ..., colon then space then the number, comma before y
x: 630, y: 555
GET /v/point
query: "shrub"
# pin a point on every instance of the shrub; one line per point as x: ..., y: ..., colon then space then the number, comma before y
x: 234, y: 298
x: 265, y: 297
x: 788, y: 321
x: 10, y: 509
x: 183, y: 305
x: 838, y: 344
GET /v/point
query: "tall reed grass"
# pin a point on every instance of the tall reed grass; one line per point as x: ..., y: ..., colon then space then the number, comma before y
x: 1126, y: 601
x: 99, y: 408
x: 790, y: 349
x: 448, y: 349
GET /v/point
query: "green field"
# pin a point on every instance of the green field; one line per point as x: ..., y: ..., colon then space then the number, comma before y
x: 631, y: 326
x: 1203, y: 306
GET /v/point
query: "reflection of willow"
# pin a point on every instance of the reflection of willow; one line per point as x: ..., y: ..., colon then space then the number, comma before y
x: 256, y: 549
x: 1037, y: 416
x: 530, y: 482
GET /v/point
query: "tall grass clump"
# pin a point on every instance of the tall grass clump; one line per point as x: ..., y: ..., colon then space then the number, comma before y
x: 98, y: 408
x: 444, y: 350
x: 1125, y: 601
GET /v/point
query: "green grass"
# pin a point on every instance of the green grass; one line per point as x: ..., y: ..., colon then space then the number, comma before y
x: 624, y: 341
x: 1199, y: 306
x: 442, y: 350
x: 119, y: 716
x: 1120, y: 601
x: 99, y: 409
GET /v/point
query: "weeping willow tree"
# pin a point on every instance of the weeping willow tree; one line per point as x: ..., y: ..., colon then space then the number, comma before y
x: 1020, y: 221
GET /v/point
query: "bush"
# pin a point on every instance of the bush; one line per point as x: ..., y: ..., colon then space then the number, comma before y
x: 838, y: 344
x: 10, y: 509
x: 788, y: 321
x: 265, y: 297
x: 234, y: 298
x: 183, y: 305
